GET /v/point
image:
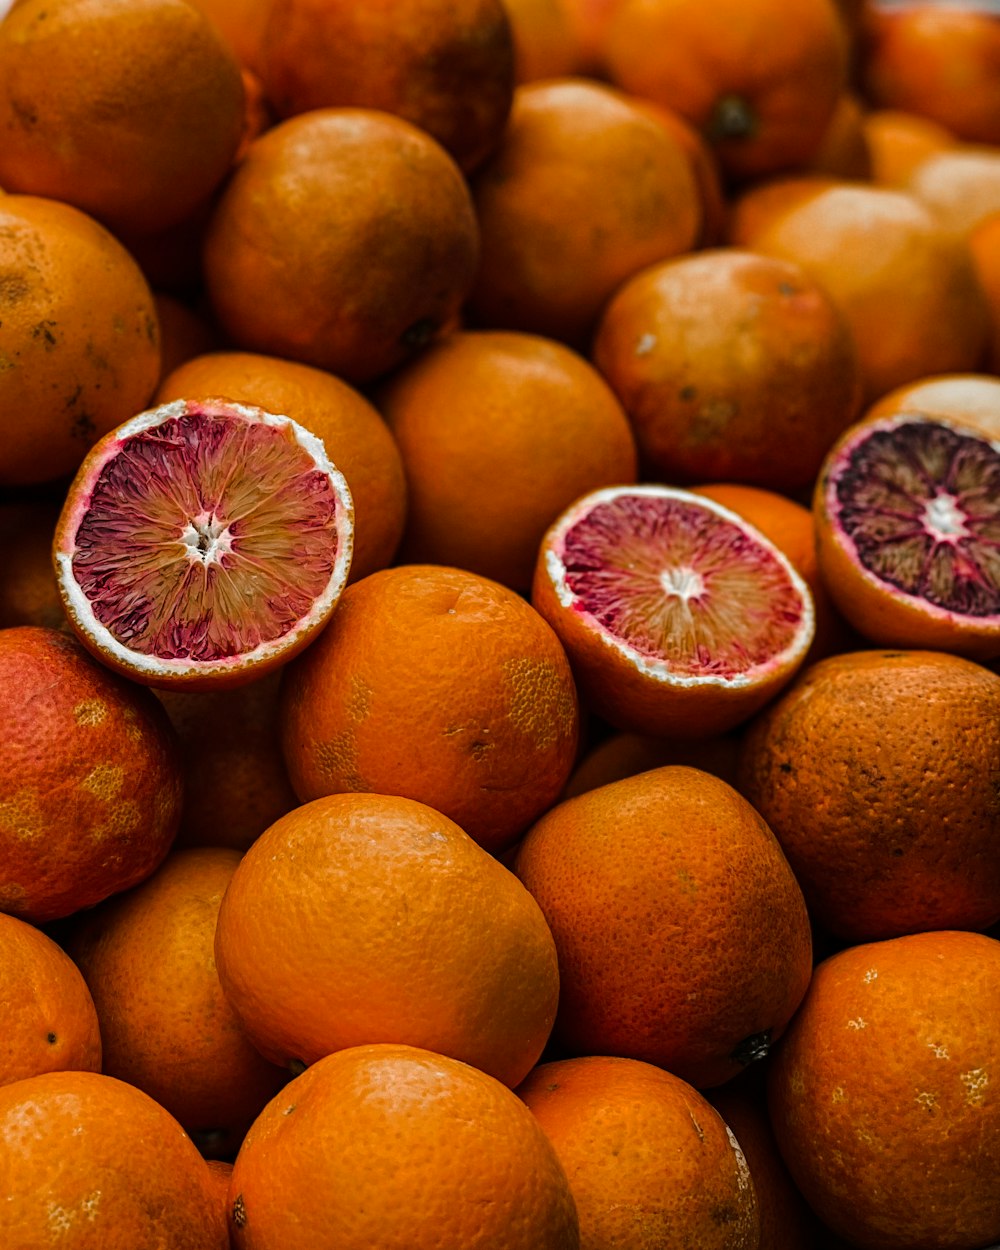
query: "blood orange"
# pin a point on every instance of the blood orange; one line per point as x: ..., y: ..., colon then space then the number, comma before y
x: 202, y: 543
x: 678, y: 616
x: 908, y: 518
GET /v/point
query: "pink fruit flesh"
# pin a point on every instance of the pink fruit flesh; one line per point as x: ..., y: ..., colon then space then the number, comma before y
x: 680, y: 583
x: 921, y: 504
x: 205, y: 537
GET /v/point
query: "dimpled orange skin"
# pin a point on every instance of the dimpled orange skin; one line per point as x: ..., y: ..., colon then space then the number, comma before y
x: 90, y: 794
x: 403, y: 1149
x: 883, y: 1093
x: 91, y: 1163
x: 437, y: 685
x: 877, y: 772
x: 364, y: 918
x: 678, y: 854
x: 79, y: 338
x: 650, y: 1162
x: 49, y: 1018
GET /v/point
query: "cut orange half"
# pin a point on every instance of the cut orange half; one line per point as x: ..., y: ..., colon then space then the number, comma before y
x: 203, y: 543
x: 678, y: 616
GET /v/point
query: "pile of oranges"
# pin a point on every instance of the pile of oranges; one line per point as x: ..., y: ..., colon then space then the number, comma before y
x: 613, y: 861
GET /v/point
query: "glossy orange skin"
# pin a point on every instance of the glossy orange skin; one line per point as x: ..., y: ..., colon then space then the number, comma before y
x: 880, y: 1092
x: 969, y: 399
x: 91, y: 790
x: 166, y: 1025
x: 322, y: 1164
x: 649, y: 1161
x: 676, y: 852
x: 498, y: 432
x: 438, y: 685
x: 106, y: 1164
x: 961, y: 186
x: 873, y: 769
x: 752, y: 210
x: 159, y: 68
x: 898, y: 141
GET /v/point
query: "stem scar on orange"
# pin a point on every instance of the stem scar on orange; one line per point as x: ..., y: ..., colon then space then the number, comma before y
x: 203, y: 543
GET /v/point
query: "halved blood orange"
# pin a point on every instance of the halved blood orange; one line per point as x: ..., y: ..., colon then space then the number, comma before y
x: 907, y: 512
x: 678, y: 616
x: 203, y: 543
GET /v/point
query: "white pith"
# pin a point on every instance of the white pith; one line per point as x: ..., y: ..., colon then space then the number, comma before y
x: 79, y: 605
x: 661, y: 670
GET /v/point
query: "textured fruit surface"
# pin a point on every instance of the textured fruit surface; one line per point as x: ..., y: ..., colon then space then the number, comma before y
x: 49, y: 1019
x: 90, y: 791
x: 479, y: 1172
x: 675, y: 852
x: 882, y: 1093
x: 202, y: 542
x: 438, y: 685
x: 678, y: 616
x: 907, y: 519
x: 877, y: 772
x: 364, y: 918
x: 649, y: 1162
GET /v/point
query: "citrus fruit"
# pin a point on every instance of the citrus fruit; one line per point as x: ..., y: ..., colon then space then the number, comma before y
x: 906, y: 512
x: 899, y: 141
x: 547, y: 266
x: 648, y: 1160
x: 882, y: 1092
x: 985, y: 244
x: 363, y: 918
x: 968, y: 399
x: 546, y: 44
x: 78, y: 337
x: 361, y: 299
x: 677, y: 853
x: 843, y: 151
x: 876, y: 772
x: 755, y: 207
x: 158, y: 68
x: 678, y: 617
x: 352, y: 432
x: 166, y: 1026
x: 202, y: 543
x: 91, y: 1163
x: 498, y: 432
x: 400, y: 1148
x: 447, y: 68
x: 437, y: 685
x: 624, y: 755
x: 242, y: 23
x: 50, y: 1023
x: 731, y: 366
x: 29, y: 594
x: 960, y: 185
x: 90, y: 791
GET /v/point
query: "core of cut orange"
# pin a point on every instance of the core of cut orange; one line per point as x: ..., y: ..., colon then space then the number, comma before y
x: 202, y: 543
x: 678, y: 616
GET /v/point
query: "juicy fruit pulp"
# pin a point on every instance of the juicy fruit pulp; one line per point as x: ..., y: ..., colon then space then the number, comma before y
x: 200, y: 537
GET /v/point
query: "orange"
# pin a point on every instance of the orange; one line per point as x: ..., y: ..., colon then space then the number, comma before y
x: 363, y: 918
x: 960, y: 185
x: 624, y: 755
x: 731, y: 366
x: 242, y: 23
x: 649, y: 1162
x: 403, y: 1149
x: 447, y: 68
x: 755, y: 208
x: 29, y: 594
x: 98, y: 1165
x: 881, y: 1093
x: 704, y: 166
x: 899, y: 141
x: 159, y: 68
x: 546, y: 43
x: 970, y: 399
x: 985, y: 244
x: 843, y: 151
x: 359, y: 300
x: 906, y: 288
x: 498, y: 432
x: 675, y: 852
x: 438, y: 685
x: 90, y: 792
x: 50, y: 1023
x: 874, y: 769
x: 760, y: 80
x: 235, y: 781
x: 585, y: 189
x: 166, y: 1026
x: 78, y: 335
x: 355, y: 437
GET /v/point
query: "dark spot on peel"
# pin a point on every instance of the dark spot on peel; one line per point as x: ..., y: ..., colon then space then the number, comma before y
x: 239, y: 1211
x: 688, y: 393
x: 51, y: 1039
x: 786, y: 767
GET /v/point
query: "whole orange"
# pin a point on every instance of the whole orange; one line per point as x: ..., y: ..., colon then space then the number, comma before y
x: 899, y: 141
x: 403, y: 1149
x: 677, y: 853
x: 438, y: 685
x: 363, y: 918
